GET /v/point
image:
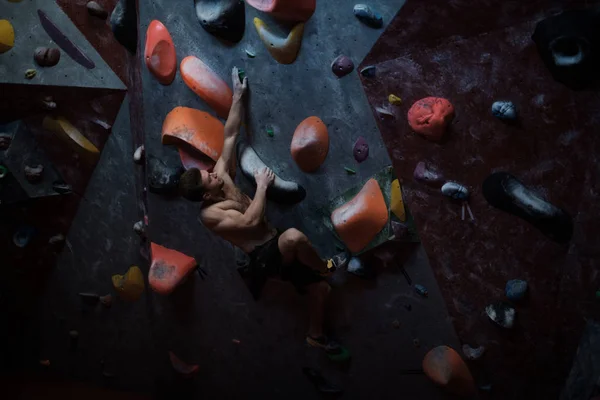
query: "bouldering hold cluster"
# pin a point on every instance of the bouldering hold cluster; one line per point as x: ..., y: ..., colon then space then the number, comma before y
x: 159, y: 53
x: 367, y: 16
x: 444, y: 366
x: 281, y: 191
x: 395, y: 100
x: 397, y: 201
x: 207, y: 84
x: 505, y: 192
x: 163, y: 179
x: 430, y: 117
x: 96, y: 10
x: 505, y: 110
x: 424, y: 174
x: 516, y: 289
x: 169, y: 269
x: 473, y: 353
x: 139, y: 154
x: 46, y: 56
x: 131, y: 285
x: 33, y: 174
x: 284, y: 50
x: 361, y: 149
x: 502, y: 314
x: 30, y: 73
x: 369, y: 71
x: 288, y: 10
x: 182, y: 367
x: 457, y: 191
x: 23, y: 235
x: 310, y: 144
x: 61, y: 127
x: 123, y: 22
x: 226, y: 19
x: 359, y: 220
x: 64, y: 42
x: 342, y: 66
x: 7, y: 36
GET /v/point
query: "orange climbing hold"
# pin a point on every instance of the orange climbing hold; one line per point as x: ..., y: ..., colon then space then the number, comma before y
x: 207, y: 84
x: 289, y: 10
x: 358, y: 221
x: 310, y: 144
x: 195, y: 128
x: 169, y: 268
x: 284, y: 50
x: 160, y: 55
x: 431, y: 116
x: 198, y: 160
x: 444, y: 366
x: 182, y: 367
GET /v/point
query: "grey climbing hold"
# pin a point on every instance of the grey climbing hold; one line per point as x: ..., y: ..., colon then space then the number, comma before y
x: 140, y: 228
x: 138, y: 155
x: 455, y: 191
x: 361, y: 149
x: 473, y: 353
x: 61, y: 187
x: 342, y: 66
x: 23, y: 236
x: 358, y: 268
x: 282, y: 191
x: 369, y: 71
x: 96, y: 10
x: 34, y: 174
x: 504, y: 110
x: 123, y: 23
x: 226, y: 19
x: 385, y: 112
x: 516, y: 289
x: 367, y: 16
x: 163, y: 179
x: 502, y: 314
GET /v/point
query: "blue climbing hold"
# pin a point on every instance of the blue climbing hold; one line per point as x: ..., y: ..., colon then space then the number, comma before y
x: 422, y: 290
x: 516, y: 289
x: 23, y: 235
x: 367, y: 16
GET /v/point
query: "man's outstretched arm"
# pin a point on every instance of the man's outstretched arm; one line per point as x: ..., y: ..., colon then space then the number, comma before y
x: 226, y: 163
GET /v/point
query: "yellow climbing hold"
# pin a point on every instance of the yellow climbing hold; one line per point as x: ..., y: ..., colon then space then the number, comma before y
x: 397, y: 205
x: 283, y: 50
x: 131, y: 285
x: 67, y: 132
x: 395, y: 100
x: 7, y: 36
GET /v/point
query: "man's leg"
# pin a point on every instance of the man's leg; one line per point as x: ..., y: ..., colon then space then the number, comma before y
x: 294, y: 245
x: 317, y: 298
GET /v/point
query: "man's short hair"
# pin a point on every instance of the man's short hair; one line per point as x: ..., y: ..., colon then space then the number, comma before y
x: 190, y: 185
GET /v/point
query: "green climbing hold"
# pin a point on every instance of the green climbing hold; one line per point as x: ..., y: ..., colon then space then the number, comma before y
x: 598, y: 294
x: 30, y: 73
x: 350, y: 171
x: 270, y: 132
x: 341, y: 356
x: 3, y: 171
x: 241, y: 74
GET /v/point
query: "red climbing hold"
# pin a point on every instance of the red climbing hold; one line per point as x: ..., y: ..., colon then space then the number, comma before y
x: 310, y: 144
x: 207, y: 84
x: 169, y: 268
x: 160, y: 55
x: 431, y: 116
x: 289, y: 10
x: 182, y: 367
x: 444, y: 366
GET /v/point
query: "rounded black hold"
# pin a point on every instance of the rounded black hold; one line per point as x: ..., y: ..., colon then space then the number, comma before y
x: 123, y: 23
x: 226, y: 19
x: 96, y: 10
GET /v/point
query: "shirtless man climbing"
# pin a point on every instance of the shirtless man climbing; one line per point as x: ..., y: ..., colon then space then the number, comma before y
x: 232, y: 215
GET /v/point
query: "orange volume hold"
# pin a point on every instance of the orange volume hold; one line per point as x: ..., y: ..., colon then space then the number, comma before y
x: 358, y: 221
x: 310, y: 144
x: 169, y: 268
x: 160, y: 55
x: 444, y: 366
x: 207, y: 84
x: 195, y: 128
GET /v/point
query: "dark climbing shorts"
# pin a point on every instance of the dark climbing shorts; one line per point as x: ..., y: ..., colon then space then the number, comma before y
x: 265, y: 262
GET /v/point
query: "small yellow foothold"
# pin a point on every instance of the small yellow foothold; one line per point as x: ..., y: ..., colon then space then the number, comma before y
x: 131, y: 285
x: 30, y: 73
x: 395, y: 100
x: 7, y: 36
x: 63, y: 128
x: 397, y: 203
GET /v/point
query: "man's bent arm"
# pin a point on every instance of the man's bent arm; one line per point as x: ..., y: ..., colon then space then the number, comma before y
x: 230, y: 220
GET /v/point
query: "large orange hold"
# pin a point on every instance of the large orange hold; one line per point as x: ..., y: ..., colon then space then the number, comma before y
x: 310, y: 144
x: 207, y: 84
x: 194, y: 128
x: 169, y: 268
x: 160, y: 55
x: 358, y: 221
x: 431, y: 116
x: 444, y: 366
x: 289, y: 10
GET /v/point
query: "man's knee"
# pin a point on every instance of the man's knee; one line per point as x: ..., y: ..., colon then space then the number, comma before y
x: 321, y: 287
x: 291, y: 238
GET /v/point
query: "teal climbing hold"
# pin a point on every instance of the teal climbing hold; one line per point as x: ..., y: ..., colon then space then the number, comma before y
x: 367, y: 16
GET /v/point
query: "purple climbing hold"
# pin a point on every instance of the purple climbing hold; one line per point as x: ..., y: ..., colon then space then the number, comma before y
x: 361, y: 149
x: 342, y: 66
x: 426, y: 175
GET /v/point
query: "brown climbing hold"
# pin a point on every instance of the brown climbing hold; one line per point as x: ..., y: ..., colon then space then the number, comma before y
x: 310, y: 144
x: 358, y: 221
x: 160, y: 55
x: 70, y: 134
x: 342, y: 66
x: 289, y: 10
x: 182, y: 367
x: 194, y: 128
x: 34, y: 174
x: 284, y: 50
x: 430, y: 117
x: 131, y: 285
x: 96, y: 10
x: 7, y: 36
x: 169, y: 268
x: 444, y: 366
x: 46, y: 56
x: 207, y: 84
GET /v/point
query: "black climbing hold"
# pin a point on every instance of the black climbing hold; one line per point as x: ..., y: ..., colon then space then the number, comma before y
x: 96, y: 10
x: 367, y: 16
x: 226, y: 19
x: 23, y: 236
x: 369, y: 71
x: 282, y: 191
x: 505, y: 192
x: 123, y: 23
x: 569, y: 45
x: 320, y: 382
x: 342, y: 66
x: 361, y: 149
x: 163, y: 179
